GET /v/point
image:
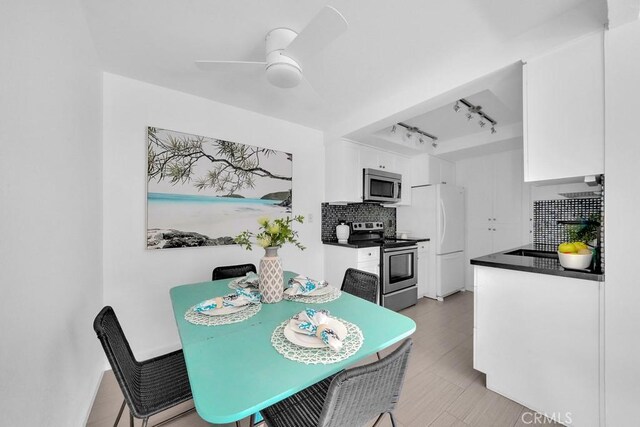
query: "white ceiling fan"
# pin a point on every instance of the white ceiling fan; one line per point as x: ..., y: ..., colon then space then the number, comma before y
x: 285, y: 49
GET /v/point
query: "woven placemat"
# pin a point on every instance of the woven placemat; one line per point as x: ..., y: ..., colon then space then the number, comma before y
x: 203, y: 319
x: 308, y: 299
x: 311, y: 356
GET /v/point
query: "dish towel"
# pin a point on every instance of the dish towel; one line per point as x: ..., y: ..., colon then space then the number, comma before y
x: 251, y: 279
x: 315, y: 323
x: 240, y: 298
x: 301, y: 285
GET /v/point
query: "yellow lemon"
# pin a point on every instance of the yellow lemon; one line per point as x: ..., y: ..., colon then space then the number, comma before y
x: 567, y: 247
x: 580, y: 245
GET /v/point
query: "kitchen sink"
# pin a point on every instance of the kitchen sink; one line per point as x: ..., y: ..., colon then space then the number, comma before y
x: 533, y: 253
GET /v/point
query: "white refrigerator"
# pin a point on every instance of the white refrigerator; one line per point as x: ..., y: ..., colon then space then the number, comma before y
x: 437, y: 212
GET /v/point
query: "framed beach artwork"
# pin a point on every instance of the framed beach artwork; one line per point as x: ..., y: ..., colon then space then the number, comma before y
x: 203, y: 191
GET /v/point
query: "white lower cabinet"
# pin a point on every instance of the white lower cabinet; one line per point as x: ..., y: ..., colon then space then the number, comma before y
x: 538, y: 338
x: 337, y: 259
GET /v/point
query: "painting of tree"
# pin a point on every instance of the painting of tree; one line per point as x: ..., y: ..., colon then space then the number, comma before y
x: 202, y: 191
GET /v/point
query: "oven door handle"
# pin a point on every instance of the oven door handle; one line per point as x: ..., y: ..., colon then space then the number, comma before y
x: 401, y: 249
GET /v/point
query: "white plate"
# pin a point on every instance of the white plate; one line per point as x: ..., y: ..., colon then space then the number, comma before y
x: 224, y: 311
x: 234, y: 284
x: 310, y: 341
x: 318, y: 292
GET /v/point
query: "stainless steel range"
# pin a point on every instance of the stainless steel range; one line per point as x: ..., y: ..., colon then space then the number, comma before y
x: 398, y: 264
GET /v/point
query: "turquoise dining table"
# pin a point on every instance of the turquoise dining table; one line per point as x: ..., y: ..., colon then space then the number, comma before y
x: 234, y: 370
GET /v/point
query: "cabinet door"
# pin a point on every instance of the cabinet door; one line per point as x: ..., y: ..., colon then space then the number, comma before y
x: 508, y: 178
x: 420, y: 166
x: 403, y: 167
x: 447, y: 172
x: 476, y: 175
x: 506, y: 236
x: 564, y: 112
x: 343, y: 177
x: 369, y: 158
x: 388, y: 162
x: 479, y: 243
x: 435, y: 165
x: 369, y: 267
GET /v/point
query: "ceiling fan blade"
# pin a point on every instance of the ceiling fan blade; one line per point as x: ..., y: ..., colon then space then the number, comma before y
x: 214, y: 65
x: 324, y: 28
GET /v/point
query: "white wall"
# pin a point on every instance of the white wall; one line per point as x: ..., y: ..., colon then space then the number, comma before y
x: 622, y: 288
x: 50, y: 214
x: 137, y: 280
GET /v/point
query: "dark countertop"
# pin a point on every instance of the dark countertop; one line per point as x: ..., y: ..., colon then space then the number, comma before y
x: 533, y: 264
x: 367, y: 244
x: 350, y: 245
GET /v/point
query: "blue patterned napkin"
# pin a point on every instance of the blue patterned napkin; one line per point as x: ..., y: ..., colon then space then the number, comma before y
x: 251, y: 279
x: 302, y: 285
x: 240, y: 298
x: 315, y: 323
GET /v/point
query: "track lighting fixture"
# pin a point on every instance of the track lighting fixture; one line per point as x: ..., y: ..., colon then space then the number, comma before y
x: 414, y: 131
x: 476, y: 110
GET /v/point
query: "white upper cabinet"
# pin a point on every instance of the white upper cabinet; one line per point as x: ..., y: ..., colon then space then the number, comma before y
x: 429, y: 170
x: 344, y: 163
x: 343, y: 177
x: 376, y: 159
x: 564, y: 112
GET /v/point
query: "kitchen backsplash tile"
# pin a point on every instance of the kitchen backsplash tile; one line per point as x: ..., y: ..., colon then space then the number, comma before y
x: 546, y: 214
x: 356, y: 212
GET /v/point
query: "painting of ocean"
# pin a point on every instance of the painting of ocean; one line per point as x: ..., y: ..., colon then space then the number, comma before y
x: 208, y: 198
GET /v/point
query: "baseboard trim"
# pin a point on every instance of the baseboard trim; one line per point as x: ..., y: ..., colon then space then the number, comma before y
x: 96, y: 387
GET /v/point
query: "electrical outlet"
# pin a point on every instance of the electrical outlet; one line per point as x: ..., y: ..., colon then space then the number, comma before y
x: 310, y: 217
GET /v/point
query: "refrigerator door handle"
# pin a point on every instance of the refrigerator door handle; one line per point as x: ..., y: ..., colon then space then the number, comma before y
x: 443, y: 222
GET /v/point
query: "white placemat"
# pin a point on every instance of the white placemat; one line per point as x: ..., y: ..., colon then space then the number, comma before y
x: 311, y: 356
x: 203, y: 319
x: 310, y: 299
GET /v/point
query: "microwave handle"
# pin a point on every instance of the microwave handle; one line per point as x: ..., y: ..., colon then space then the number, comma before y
x: 399, y: 190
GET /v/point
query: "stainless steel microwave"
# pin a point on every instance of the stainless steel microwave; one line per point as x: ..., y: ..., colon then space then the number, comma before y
x: 381, y: 186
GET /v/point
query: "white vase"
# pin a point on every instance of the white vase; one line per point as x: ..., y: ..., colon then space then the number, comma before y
x: 271, y: 277
x: 342, y: 233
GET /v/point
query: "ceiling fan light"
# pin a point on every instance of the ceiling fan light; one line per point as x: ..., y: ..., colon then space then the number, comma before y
x: 284, y: 75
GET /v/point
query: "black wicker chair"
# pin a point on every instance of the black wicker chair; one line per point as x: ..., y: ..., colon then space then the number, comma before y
x: 361, y: 284
x: 149, y: 387
x: 351, y: 398
x: 231, y: 271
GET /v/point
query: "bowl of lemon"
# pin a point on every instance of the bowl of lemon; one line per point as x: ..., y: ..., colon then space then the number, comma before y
x: 575, y: 255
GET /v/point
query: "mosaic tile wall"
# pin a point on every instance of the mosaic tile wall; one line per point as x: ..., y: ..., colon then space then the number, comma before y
x: 357, y: 212
x: 547, y: 213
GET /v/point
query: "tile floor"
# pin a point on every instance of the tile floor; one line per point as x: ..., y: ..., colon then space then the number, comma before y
x: 441, y: 388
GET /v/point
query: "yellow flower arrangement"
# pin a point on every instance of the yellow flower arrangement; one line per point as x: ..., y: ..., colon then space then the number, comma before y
x: 273, y: 233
